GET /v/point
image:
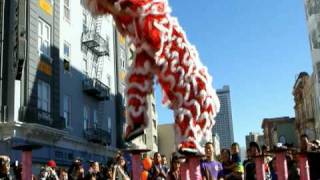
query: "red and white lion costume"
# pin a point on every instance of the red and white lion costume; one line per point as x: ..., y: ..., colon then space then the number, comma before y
x: 163, y: 51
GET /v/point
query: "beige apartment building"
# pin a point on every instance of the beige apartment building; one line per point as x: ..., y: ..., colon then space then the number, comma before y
x: 167, y: 138
x: 305, y: 105
x: 149, y: 139
x: 279, y: 130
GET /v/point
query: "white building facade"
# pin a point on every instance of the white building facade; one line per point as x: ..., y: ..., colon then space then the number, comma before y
x: 312, y: 8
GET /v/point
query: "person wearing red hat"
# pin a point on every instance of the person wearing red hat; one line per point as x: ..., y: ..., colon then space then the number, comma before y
x: 52, y: 164
x: 51, y: 173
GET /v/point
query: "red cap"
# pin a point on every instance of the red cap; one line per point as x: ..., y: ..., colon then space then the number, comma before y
x: 52, y: 164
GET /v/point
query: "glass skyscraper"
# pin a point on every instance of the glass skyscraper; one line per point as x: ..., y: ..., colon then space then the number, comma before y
x: 224, y: 126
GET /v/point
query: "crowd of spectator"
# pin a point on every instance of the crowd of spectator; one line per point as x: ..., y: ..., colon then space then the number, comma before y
x: 113, y: 170
x: 228, y: 166
x: 309, y: 149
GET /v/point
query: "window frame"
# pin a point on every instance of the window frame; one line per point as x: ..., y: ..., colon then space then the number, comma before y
x: 86, y: 119
x: 42, y: 98
x: 66, y: 56
x: 68, y: 45
x: 44, y: 37
x: 109, y: 79
x: 85, y: 66
x: 67, y: 109
x: 85, y: 27
x: 95, y: 119
x: 66, y: 17
x: 122, y: 57
x: 109, y: 124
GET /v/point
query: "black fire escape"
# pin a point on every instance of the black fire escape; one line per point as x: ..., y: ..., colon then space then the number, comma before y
x: 93, y: 42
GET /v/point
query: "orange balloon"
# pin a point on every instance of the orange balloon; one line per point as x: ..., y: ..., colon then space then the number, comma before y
x: 147, y: 163
x: 144, y: 175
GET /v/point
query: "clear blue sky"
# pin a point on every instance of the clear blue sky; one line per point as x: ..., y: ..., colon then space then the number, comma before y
x: 257, y: 47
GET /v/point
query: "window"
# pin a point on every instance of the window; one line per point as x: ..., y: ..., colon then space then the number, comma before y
x: 44, y: 34
x: 144, y: 138
x: 66, y: 54
x: 70, y: 156
x: 109, y: 80
x: 313, y: 7
x: 123, y: 89
x: 66, y: 50
x: 155, y: 139
x: 84, y: 22
x: 58, y: 154
x: 85, y: 117
x: 95, y: 118
x: 85, y: 67
x: 122, y: 58
x: 154, y: 123
x: 282, y: 139
x: 67, y: 10
x: 109, y: 124
x: 67, y: 110
x: 315, y: 37
x: 123, y: 64
x: 43, y: 96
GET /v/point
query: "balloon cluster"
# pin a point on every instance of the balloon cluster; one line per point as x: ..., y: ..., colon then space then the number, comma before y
x: 147, y: 164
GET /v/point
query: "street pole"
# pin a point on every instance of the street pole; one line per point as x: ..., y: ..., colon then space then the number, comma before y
x: 260, y: 168
x: 281, y: 161
x: 304, y: 166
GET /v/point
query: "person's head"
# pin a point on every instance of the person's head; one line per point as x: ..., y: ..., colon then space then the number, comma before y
x: 52, y: 164
x: 264, y: 149
x: 145, y: 155
x: 96, y: 167
x: 157, y: 158
x: 304, y: 142
x: 254, y: 149
x: 4, y: 164
x: 235, y: 149
x: 164, y: 160
x: 77, y: 163
x: 209, y: 150
x: 63, y: 174
x: 175, y: 163
x: 121, y: 161
x: 225, y: 155
x: 249, y: 153
x: 108, y: 172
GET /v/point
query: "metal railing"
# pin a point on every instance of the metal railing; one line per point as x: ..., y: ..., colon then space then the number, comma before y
x: 98, y: 135
x: 96, y: 88
x: 95, y: 42
x: 38, y: 116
